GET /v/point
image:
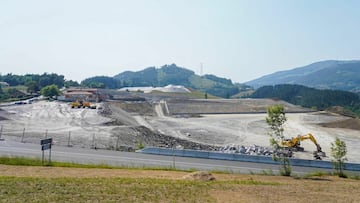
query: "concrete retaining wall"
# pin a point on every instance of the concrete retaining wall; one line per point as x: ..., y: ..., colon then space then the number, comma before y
x: 243, y: 157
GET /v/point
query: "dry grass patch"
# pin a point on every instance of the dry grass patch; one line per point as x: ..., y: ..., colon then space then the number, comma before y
x: 200, y: 175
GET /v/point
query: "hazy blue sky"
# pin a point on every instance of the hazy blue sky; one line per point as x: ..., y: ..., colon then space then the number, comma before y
x: 236, y: 39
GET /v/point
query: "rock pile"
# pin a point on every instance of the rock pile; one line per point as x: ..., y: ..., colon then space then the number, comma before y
x: 255, y: 150
x: 250, y: 150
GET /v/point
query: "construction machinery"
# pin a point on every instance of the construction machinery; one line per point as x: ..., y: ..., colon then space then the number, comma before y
x: 82, y: 104
x: 294, y: 144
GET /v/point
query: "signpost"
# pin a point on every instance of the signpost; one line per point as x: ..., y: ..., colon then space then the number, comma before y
x: 45, y: 145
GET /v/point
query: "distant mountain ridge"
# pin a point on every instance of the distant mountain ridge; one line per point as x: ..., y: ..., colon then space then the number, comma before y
x: 172, y: 74
x: 332, y: 74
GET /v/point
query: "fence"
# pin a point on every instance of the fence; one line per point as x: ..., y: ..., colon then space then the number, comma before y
x: 78, y: 138
x: 243, y: 157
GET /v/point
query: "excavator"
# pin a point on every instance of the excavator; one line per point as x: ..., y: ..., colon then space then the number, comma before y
x: 294, y: 144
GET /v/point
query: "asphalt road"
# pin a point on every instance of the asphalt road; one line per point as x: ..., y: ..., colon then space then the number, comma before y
x: 130, y: 159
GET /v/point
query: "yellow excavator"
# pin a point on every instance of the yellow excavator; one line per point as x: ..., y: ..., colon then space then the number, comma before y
x: 294, y: 144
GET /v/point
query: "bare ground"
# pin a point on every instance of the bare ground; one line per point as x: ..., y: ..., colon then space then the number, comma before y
x: 125, y: 125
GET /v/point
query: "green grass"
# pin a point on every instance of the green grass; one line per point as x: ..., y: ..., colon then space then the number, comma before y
x: 20, y: 189
x: 22, y: 161
x: 317, y: 174
x: 25, y: 189
x: 119, y: 189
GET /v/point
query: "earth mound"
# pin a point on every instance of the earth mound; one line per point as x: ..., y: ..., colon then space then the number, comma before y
x: 200, y: 175
x: 341, y: 110
x: 351, y: 123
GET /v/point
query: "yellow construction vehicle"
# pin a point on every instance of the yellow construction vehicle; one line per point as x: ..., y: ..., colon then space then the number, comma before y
x: 76, y: 104
x: 294, y: 144
x: 82, y: 104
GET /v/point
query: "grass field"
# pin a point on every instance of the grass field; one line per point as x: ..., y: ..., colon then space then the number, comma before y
x: 72, y: 184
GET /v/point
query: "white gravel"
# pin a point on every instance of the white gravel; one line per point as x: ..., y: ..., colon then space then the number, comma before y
x: 58, y: 119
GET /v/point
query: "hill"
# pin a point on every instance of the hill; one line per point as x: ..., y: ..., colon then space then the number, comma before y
x: 172, y: 74
x: 310, y: 97
x: 338, y: 75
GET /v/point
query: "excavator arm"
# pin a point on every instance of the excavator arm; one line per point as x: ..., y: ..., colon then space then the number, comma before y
x: 312, y: 138
x: 295, y: 143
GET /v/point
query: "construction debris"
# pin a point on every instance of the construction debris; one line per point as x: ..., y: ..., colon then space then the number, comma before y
x: 255, y: 150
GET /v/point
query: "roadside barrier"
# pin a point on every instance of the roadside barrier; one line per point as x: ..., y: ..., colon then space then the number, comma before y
x: 243, y: 157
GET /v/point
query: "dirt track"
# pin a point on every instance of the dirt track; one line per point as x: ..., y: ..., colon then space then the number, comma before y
x: 120, y: 125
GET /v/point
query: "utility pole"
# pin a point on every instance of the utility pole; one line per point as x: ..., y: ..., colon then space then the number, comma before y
x: 23, y: 135
x: 1, y: 133
x: 69, y: 140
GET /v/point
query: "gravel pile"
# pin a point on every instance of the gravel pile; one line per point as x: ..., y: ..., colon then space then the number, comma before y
x: 254, y: 150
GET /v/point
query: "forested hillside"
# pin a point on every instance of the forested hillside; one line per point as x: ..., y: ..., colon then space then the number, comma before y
x: 102, y: 82
x: 37, y: 80
x: 339, y: 75
x: 172, y: 74
x: 310, y: 97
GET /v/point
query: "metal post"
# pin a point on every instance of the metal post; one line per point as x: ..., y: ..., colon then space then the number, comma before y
x: 93, y: 141
x: 23, y: 135
x: 173, y: 150
x: 50, y: 153
x: 46, y: 133
x: 117, y: 143
x: 1, y: 132
x: 69, y: 139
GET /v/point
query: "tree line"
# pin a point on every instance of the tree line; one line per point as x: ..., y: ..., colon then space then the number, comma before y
x: 310, y: 97
x: 32, y: 84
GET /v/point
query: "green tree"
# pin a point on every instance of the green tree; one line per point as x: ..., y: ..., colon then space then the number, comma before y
x: 275, y: 119
x: 71, y: 83
x: 32, y: 86
x: 338, y: 152
x: 50, y: 91
x: 2, y: 94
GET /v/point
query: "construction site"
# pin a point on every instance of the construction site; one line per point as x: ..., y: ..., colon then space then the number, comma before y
x: 128, y: 121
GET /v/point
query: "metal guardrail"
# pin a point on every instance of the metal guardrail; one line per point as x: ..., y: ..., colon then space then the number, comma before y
x: 243, y: 157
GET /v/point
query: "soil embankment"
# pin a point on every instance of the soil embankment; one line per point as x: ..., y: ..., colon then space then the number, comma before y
x: 351, y: 123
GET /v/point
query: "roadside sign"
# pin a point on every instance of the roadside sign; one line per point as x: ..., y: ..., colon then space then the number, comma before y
x: 45, y: 145
x: 46, y: 141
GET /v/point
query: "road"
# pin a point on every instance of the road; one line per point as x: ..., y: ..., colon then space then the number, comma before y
x: 130, y: 159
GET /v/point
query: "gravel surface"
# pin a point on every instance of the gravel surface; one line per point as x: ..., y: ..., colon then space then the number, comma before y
x: 128, y: 125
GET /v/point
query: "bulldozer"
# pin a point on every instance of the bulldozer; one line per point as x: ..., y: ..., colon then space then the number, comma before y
x: 294, y: 144
x: 82, y: 104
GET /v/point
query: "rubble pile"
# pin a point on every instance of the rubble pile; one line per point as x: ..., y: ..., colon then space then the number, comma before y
x: 255, y: 150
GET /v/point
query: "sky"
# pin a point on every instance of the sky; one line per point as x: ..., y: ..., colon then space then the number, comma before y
x: 236, y: 39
